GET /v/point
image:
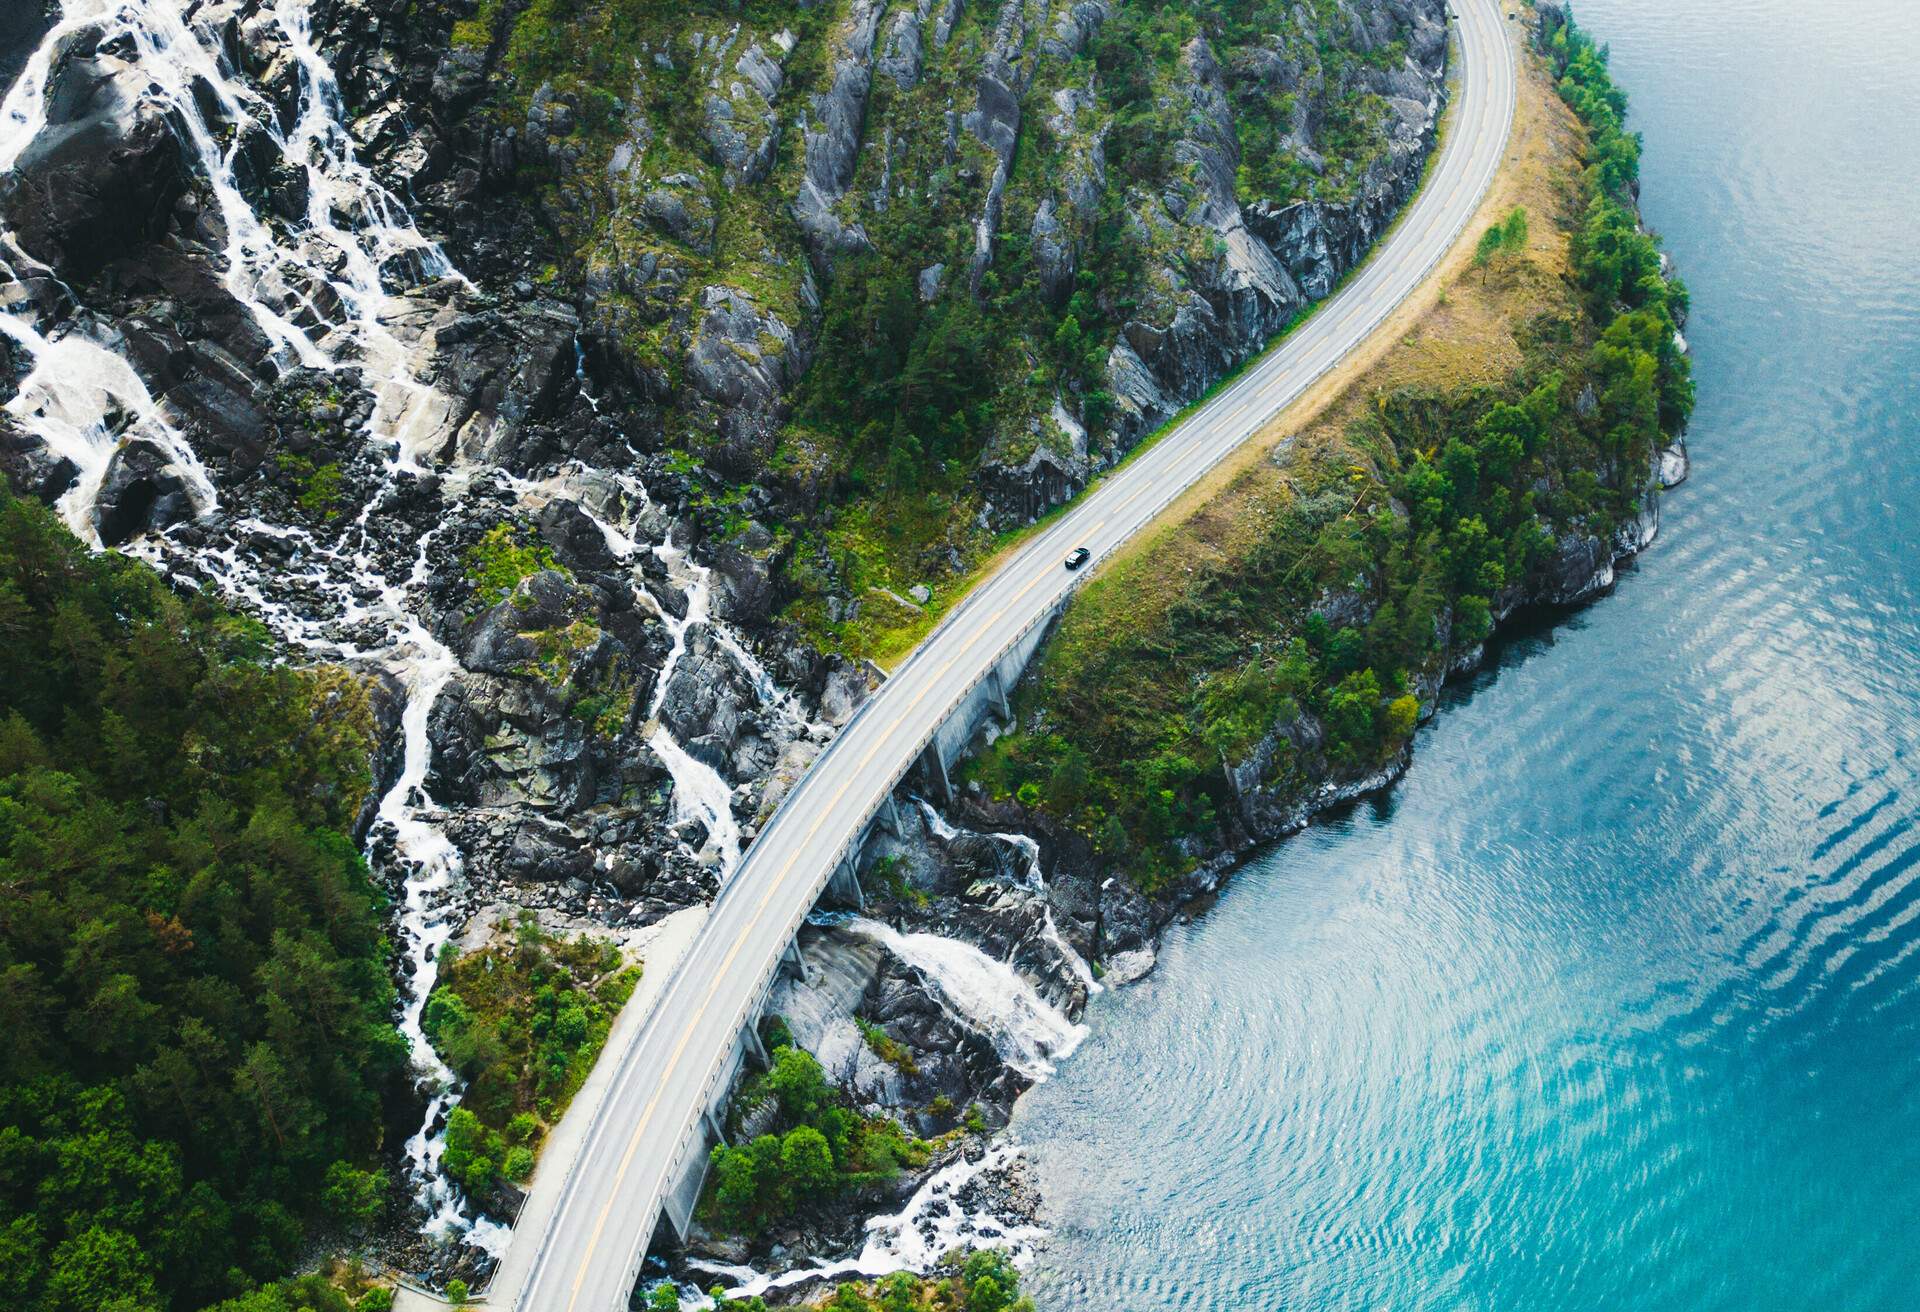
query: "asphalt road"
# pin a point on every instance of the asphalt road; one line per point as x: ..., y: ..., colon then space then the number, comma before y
x: 583, y: 1237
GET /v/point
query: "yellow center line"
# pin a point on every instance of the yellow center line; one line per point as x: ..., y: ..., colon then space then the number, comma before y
x: 1195, y: 443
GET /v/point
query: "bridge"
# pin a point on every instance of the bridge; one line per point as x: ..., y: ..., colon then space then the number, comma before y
x: 582, y: 1236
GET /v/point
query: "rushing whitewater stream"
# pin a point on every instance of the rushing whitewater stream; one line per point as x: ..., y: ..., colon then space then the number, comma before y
x: 1615, y: 1001
x: 327, y: 291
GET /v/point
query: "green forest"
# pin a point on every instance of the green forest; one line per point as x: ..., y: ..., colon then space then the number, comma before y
x: 1437, y: 501
x: 818, y: 1147
x: 193, y: 968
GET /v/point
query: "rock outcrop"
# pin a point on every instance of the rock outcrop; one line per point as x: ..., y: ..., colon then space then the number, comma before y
x: 103, y: 175
x: 1224, y: 274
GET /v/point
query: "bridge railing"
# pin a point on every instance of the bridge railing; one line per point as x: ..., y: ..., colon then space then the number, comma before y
x: 1177, y: 485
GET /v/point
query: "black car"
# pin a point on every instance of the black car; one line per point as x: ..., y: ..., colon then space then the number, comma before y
x: 1077, y: 557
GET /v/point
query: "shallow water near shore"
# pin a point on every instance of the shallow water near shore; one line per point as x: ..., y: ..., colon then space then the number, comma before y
x: 1616, y: 1001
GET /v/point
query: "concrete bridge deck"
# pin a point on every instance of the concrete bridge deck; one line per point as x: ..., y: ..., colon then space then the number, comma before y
x: 586, y: 1230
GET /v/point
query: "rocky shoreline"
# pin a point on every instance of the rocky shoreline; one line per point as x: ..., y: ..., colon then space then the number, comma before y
x: 277, y: 321
x: 975, y: 879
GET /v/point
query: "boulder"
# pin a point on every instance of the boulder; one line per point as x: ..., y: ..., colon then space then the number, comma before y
x: 100, y: 180
x: 709, y: 700
x: 142, y: 492
x: 30, y: 469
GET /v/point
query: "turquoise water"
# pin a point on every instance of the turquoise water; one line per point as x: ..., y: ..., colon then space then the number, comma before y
x: 1615, y: 1004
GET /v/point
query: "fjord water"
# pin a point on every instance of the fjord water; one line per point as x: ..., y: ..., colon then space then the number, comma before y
x: 1615, y: 1003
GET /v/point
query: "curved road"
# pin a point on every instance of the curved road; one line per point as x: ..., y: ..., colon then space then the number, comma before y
x: 585, y: 1247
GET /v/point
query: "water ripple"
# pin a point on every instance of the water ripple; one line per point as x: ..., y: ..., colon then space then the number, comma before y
x: 1616, y: 1003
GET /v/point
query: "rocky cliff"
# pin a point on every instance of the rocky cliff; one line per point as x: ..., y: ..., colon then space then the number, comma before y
x: 576, y: 373
x: 894, y: 277
x: 508, y: 351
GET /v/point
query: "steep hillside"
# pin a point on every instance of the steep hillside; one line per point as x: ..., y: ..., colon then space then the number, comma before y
x: 1274, y: 651
x: 888, y: 280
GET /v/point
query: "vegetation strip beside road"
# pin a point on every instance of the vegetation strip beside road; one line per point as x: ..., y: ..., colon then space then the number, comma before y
x: 1278, y: 629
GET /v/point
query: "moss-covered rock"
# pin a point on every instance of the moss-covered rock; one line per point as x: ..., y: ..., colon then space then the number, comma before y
x: 921, y: 270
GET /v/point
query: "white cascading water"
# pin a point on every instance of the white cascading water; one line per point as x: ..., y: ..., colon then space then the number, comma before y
x: 71, y: 394
x: 941, y: 828
x: 699, y: 791
x: 321, y: 296
x: 322, y: 299
x: 988, y: 995
x: 706, y: 795
x: 931, y: 1225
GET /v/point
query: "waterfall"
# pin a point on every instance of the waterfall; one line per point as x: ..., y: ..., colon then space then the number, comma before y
x: 699, y: 791
x: 988, y: 995
x: 942, y: 829
x: 328, y: 291
x: 70, y: 396
x: 931, y: 1225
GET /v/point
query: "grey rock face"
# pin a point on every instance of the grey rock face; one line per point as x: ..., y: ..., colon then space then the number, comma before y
x: 505, y: 371
x: 679, y: 207
x: 995, y: 121
x: 905, y: 51
x: 142, y: 492
x: 709, y: 702
x: 1230, y: 276
x: 832, y: 135
x: 103, y: 177
x: 742, y: 360
x: 1317, y: 241
x: 741, y: 125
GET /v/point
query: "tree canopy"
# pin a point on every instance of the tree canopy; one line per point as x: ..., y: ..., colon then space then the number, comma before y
x: 193, y: 972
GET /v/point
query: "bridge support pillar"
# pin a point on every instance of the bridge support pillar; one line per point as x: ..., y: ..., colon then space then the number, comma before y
x: 675, y: 1223
x: 750, y: 1043
x: 936, y: 771
x: 890, y: 815
x: 792, y: 962
x: 845, y: 884
x: 997, y: 693
x: 714, y: 1128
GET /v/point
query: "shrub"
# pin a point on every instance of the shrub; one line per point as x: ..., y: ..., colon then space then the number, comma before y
x: 353, y: 1197
x: 499, y: 561
x: 806, y: 1161
x: 1403, y: 713
x: 822, y: 1149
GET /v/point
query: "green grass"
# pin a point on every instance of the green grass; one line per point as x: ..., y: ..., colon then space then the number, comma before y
x: 522, y: 1020
x: 503, y: 559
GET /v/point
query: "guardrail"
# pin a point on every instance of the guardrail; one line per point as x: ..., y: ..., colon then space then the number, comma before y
x: 1179, y: 485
